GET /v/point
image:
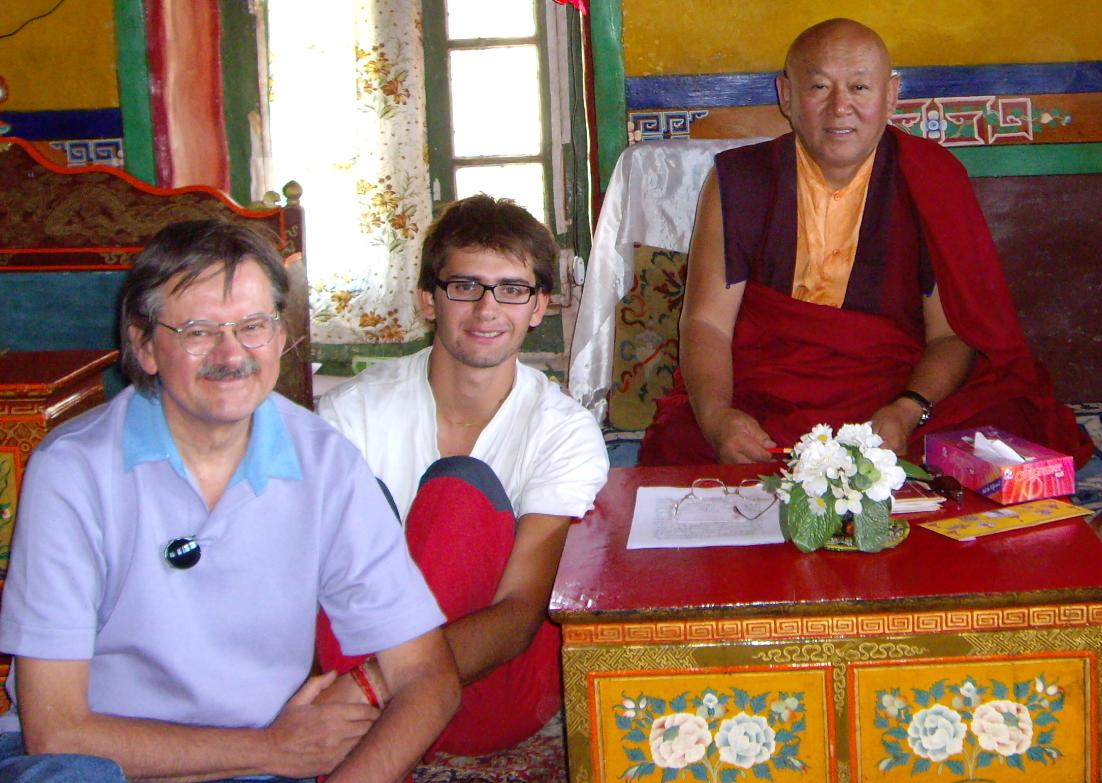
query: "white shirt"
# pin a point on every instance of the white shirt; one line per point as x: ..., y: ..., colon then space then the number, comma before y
x: 546, y: 449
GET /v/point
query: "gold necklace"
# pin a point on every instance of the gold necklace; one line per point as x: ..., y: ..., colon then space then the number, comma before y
x: 477, y: 422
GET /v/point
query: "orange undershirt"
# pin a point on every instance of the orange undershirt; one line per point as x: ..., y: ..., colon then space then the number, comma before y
x: 828, y: 225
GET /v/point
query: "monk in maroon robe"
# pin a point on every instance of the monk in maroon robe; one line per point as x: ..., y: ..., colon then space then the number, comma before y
x: 915, y: 330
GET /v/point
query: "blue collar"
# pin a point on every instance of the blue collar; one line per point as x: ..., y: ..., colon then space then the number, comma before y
x: 271, y: 453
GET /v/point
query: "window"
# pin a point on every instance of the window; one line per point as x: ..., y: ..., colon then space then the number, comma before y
x: 355, y: 89
x: 499, y: 80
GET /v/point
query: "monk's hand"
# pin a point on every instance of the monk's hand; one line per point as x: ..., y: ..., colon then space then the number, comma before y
x: 895, y: 422
x: 737, y: 437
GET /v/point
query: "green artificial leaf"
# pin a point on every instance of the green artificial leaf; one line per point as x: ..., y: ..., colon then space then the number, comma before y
x: 770, y: 483
x: 861, y: 482
x: 805, y: 529
x: 913, y: 471
x: 870, y: 527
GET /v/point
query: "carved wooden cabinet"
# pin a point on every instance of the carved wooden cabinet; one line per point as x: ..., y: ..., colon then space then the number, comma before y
x: 38, y: 391
x: 938, y: 660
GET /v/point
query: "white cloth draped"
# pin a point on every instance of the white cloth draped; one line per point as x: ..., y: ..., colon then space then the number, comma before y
x: 650, y: 200
x: 347, y: 107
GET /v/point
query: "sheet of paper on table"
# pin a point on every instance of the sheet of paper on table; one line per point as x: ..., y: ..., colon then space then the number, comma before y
x: 710, y: 518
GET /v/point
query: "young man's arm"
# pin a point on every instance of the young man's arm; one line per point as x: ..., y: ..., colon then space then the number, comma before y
x: 421, y: 696
x: 304, y: 740
x: 485, y: 639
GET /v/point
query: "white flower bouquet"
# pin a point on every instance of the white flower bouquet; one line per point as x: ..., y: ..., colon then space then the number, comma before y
x: 831, y: 480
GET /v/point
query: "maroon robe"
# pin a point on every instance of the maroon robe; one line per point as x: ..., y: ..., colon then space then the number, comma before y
x: 797, y: 364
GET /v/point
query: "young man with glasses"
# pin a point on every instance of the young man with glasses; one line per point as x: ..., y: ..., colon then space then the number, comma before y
x: 173, y: 546
x: 487, y: 461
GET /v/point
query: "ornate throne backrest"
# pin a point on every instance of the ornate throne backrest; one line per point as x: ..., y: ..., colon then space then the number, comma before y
x: 68, y: 235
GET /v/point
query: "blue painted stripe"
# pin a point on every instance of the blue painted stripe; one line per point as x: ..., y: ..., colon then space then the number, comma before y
x: 757, y: 89
x: 71, y: 124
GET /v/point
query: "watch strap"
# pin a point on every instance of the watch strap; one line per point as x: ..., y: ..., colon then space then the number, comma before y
x: 925, y: 404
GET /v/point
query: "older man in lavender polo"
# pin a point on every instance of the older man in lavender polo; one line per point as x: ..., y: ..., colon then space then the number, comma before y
x: 173, y: 546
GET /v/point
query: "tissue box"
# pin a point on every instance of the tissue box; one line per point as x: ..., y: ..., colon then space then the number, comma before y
x: 1045, y: 473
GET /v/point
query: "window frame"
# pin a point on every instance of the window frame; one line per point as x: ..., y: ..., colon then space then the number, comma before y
x: 443, y: 161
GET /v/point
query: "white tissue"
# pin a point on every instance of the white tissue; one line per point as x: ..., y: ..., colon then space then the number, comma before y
x: 995, y: 450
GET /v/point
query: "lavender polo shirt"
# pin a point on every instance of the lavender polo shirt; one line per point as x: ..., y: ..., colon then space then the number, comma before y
x: 227, y: 642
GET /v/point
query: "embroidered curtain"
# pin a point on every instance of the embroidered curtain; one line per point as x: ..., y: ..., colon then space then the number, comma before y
x: 347, y: 119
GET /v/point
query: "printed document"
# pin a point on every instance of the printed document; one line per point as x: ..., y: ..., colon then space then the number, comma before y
x: 674, y: 517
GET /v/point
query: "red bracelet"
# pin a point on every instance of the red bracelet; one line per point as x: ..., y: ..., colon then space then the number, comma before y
x: 361, y: 678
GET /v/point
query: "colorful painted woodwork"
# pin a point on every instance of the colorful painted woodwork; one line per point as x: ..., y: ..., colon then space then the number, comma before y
x: 38, y: 391
x: 68, y: 235
x: 976, y: 661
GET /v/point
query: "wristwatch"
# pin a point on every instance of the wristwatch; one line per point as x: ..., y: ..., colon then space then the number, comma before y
x: 924, y: 403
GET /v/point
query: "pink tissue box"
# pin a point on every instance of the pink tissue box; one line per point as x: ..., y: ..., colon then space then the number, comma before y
x: 1044, y: 474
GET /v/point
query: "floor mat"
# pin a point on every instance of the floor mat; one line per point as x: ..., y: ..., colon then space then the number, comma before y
x: 539, y: 759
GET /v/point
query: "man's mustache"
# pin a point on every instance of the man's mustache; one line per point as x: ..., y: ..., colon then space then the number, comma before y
x: 224, y: 372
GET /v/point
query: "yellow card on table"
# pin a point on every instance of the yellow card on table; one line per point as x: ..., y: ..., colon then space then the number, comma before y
x: 998, y: 520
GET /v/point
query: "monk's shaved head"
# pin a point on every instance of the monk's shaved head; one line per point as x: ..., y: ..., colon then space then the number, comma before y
x: 838, y: 92
x: 810, y: 43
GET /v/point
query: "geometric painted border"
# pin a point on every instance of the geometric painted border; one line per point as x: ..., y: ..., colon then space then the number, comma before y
x: 757, y: 89
x: 886, y: 624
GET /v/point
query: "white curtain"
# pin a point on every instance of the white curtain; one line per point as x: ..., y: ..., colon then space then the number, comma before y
x: 347, y: 120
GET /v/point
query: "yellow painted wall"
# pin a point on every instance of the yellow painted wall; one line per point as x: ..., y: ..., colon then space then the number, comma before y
x: 63, y: 61
x: 719, y: 36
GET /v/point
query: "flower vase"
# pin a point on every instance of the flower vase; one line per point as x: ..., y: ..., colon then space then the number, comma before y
x: 870, y: 531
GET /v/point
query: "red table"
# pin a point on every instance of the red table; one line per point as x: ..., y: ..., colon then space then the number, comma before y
x: 689, y: 628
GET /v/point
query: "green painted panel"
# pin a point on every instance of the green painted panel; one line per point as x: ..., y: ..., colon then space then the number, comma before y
x: 133, y: 72
x: 240, y: 92
x: 1029, y: 159
x: 339, y: 359
x: 606, y: 33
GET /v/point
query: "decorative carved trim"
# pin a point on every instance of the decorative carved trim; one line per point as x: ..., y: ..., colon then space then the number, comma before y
x: 957, y: 621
